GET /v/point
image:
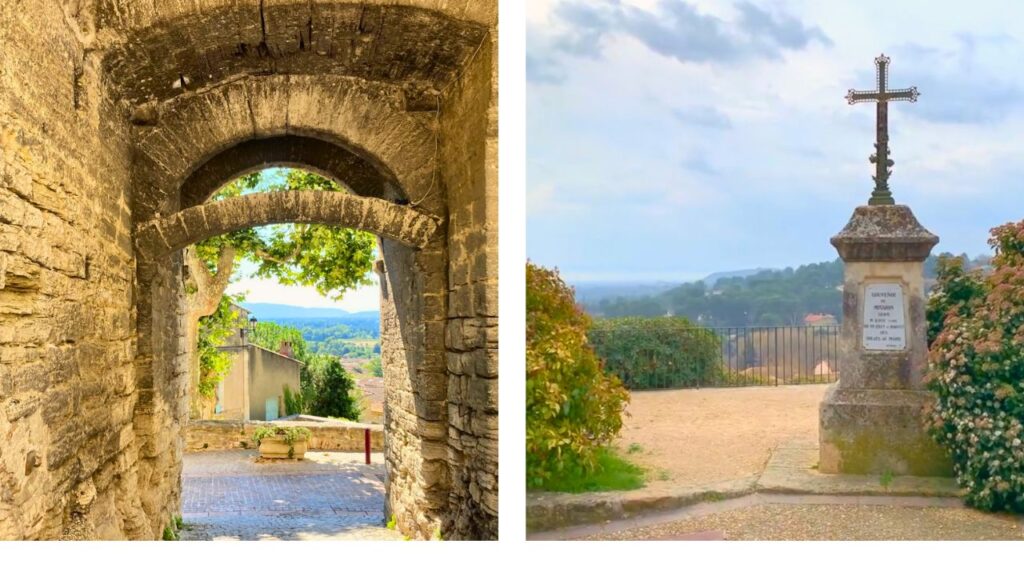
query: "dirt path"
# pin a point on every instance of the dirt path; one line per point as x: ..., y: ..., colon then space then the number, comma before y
x: 697, y: 437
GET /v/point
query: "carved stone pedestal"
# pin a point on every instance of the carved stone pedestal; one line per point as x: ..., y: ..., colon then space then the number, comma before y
x: 872, y: 419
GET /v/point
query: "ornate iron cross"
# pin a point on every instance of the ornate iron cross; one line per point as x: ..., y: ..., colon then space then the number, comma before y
x: 883, y: 165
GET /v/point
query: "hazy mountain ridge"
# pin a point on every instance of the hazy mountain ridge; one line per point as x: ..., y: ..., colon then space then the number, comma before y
x: 271, y: 311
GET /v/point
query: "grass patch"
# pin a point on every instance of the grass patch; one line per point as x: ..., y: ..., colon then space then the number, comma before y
x: 634, y: 448
x: 614, y: 473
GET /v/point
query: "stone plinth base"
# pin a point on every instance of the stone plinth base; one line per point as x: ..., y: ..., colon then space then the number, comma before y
x: 866, y: 431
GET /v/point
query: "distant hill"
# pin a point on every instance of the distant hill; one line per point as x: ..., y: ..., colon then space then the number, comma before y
x: 268, y: 311
x: 593, y: 292
x: 761, y: 297
x: 711, y: 279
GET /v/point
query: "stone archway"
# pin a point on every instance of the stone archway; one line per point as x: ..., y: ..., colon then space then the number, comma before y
x: 161, y: 236
x: 140, y: 112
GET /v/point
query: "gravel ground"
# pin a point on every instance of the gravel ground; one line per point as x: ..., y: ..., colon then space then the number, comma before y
x: 832, y: 522
x: 702, y: 436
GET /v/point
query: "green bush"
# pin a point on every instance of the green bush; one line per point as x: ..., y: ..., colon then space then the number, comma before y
x: 330, y: 389
x: 292, y: 402
x: 955, y: 290
x: 573, y: 409
x: 658, y: 352
x: 214, y: 331
x: 977, y: 372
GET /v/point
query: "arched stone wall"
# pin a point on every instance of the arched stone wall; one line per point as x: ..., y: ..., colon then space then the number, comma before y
x: 162, y: 236
x: 109, y: 110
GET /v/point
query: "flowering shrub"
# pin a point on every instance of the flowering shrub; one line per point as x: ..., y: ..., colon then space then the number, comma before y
x: 573, y: 409
x: 977, y: 371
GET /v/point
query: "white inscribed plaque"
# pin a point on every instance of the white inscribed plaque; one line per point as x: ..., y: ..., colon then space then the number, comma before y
x: 884, y: 321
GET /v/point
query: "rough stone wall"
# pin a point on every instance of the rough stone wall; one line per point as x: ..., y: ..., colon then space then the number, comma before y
x: 469, y: 161
x: 412, y: 328
x: 338, y: 436
x: 67, y: 450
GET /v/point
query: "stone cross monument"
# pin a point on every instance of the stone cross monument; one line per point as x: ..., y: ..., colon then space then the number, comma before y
x: 871, y: 420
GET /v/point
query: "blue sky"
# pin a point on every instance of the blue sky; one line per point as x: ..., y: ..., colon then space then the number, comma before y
x: 269, y: 290
x: 670, y: 139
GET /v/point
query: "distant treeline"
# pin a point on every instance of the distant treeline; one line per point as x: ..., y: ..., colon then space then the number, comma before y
x: 344, y: 337
x: 767, y: 298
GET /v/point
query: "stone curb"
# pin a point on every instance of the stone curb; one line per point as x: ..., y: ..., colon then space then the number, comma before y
x: 790, y: 470
x: 550, y: 510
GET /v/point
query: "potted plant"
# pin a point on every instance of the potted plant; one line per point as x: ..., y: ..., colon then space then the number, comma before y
x: 282, y: 441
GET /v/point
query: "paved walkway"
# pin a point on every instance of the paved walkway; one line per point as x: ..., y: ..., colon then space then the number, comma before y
x: 741, y: 464
x: 328, y: 496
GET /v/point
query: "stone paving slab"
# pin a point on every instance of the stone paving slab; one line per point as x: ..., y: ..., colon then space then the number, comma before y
x: 792, y: 469
x: 233, y: 495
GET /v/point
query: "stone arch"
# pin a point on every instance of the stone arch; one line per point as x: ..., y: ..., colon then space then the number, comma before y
x: 357, y: 121
x: 159, y: 237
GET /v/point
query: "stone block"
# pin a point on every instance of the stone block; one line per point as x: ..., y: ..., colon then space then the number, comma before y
x: 878, y: 431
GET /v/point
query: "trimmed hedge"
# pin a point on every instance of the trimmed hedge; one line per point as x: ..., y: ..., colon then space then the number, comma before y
x: 659, y: 352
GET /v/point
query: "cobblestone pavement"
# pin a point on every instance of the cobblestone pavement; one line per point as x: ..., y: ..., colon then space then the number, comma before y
x: 328, y: 496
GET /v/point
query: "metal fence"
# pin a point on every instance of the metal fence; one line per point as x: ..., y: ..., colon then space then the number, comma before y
x: 689, y: 357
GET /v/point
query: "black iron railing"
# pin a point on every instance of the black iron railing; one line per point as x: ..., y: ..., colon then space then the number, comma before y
x: 690, y: 357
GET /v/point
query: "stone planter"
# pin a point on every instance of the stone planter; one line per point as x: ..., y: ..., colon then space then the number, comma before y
x: 276, y: 447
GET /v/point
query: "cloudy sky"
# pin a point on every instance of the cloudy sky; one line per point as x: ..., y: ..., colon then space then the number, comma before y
x: 668, y: 139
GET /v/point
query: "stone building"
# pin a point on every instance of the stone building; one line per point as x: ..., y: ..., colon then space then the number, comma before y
x: 253, y: 387
x: 120, y: 118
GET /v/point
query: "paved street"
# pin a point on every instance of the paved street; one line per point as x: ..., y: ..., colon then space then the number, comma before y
x: 327, y: 496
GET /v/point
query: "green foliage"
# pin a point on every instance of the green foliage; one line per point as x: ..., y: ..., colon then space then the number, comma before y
x: 289, y: 434
x: 293, y: 402
x: 611, y: 472
x: 573, y: 409
x: 270, y: 335
x: 956, y: 290
x: 179, y: 522
x: 355, y: 337
x: 766, y: 298
x: 169, y: 534
x: 331, y: 259
x: 214, y: 330
x: 658, y: 352
x: 344, y: 348
x: 886, y: 479
x: 392, y: 524
x: 331, y: 388
x: 374, y: 368
x: 977, y: 373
